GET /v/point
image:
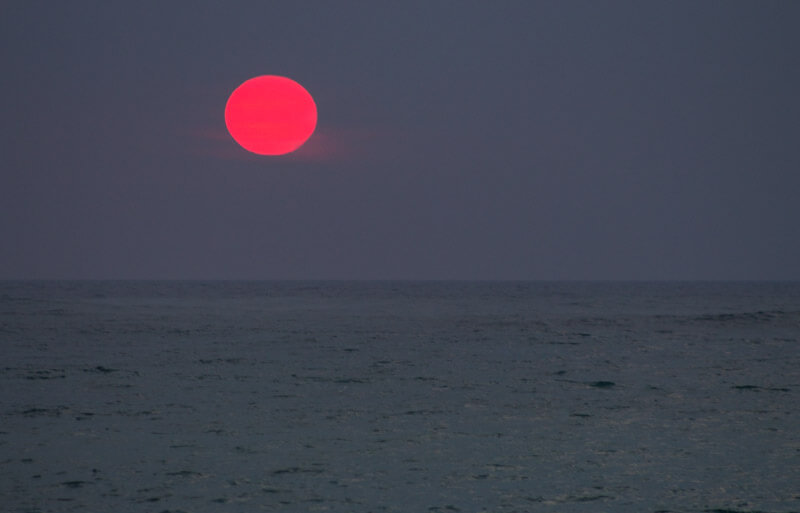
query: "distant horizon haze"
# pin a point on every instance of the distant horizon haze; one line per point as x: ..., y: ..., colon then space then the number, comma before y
x: 576, y: 140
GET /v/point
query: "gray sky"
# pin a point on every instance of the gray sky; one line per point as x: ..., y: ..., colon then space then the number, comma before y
x: 456, y: 140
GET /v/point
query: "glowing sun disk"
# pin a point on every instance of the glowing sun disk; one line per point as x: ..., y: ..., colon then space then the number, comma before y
x: 270, y: 115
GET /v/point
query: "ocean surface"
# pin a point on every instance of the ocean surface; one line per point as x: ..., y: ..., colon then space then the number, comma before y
x: 399, y: 397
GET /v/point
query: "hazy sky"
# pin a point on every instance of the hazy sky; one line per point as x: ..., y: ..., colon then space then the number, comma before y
x: 456, y: 140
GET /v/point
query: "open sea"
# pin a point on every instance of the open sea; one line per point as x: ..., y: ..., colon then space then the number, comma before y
x: 399, y: 397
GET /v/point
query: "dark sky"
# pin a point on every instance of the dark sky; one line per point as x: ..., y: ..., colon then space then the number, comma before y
x: 456, y: 140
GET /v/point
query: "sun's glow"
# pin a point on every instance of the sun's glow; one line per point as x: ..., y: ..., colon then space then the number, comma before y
x: 270, y: 115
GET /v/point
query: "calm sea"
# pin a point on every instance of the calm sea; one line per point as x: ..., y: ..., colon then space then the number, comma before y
x: 399, y: 397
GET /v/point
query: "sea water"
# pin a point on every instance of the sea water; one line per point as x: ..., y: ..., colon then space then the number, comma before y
x: 399, y: 397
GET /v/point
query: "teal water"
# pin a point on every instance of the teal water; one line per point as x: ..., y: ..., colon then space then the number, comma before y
x: 399, y: 397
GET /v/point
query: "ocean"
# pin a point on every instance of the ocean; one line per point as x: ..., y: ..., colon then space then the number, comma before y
x: 399, y: 397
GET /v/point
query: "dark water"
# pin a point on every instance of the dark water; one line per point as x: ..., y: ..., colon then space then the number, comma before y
x: 399, y: 397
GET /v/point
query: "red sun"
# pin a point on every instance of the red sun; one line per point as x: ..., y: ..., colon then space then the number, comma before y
x: 270, y: 115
